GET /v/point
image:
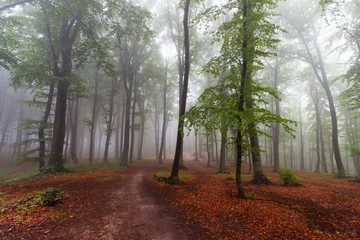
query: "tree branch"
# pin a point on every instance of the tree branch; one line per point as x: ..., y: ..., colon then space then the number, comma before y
x: 15, y: 4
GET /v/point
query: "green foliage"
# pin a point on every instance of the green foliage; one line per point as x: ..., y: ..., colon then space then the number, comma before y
x: 165, y: 177
x: 288, y: 177
x: 218, y: 106
x: 20, y: 176
x: 51, y: 196
x: 250, y: 195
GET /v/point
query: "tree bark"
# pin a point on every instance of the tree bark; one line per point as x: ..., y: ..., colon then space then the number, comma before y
x: 276, y: 139
x: 41, y: 132
x: 128, y: 83
x: 74, y: 131
x: 163, y: 132
x: 133, y: 123
x: 109, y: 122
x: 94, y: 118
x: 222, y: 166
x: 302, y: 159
x: 325, y: 84
x: 179, y: 141
x: 67, y: 39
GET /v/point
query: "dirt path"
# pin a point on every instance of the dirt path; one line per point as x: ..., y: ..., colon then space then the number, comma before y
x: 136, y: 213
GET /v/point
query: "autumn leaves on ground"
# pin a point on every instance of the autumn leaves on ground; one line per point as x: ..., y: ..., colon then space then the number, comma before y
x: 95, y: 200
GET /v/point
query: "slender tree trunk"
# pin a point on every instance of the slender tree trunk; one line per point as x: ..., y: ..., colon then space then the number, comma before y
x: 222, y: 166
x: 318, y: 159
x: 179, y: 141
x: 156, y: 131
x: 276, y: 139
x: 109, y: 123
x: 121, y: 146
x: 292, y: 153
x: 41, y: 132
x: 133, y: 123
x: 117, y: 133
x: 302, y: 159
x: 200, y: 144
x: 163, y: 132
x: 284, y: 147
x: 325, y: 84
x: 100, y: 140
x: 322, y: 143
x: 208, y: 149
x: 94, y: 118
x: 74, y: 131
x: 141, y: 136
x: 125, y: 153
x: 266, y: 149
x: 196, y: 148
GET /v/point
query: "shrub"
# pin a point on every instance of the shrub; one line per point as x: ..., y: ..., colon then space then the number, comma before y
x: 52, y: 196
x: 287, y: 175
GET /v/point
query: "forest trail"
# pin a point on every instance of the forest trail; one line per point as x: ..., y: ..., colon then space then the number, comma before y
x: 136, y: 212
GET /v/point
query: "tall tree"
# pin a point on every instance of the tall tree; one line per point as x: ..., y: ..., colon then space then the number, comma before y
x: 308, y: 35
x: 247, y: 37
x: 179, y: 140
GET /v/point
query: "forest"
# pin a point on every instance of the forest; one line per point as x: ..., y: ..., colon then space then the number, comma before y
x: 228, y: 119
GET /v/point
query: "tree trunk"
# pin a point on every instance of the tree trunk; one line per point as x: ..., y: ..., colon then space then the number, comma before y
x: 67, y: 39
x: 128, y: 90
x: 100, y: 140
x: 163, y: 132
x: 56, y: 160
x: 258, y: 174
x: 117, y: 133
x: 196, y: 148
x: 156, y: 132
x: 325, y: 84
x: 179, y: 140
x: 94, y: 118
x: 141, y: 138
x: 222, y: 153
x: 133, y: 123
x: 208, y: 149
x: 121, y: 146
x: 109, y: 122
x: 74, y: 131
x: 276, y: 139
x: 41, y: 132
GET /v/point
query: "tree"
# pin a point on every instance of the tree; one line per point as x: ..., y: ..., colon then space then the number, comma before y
x: 247, y: 38
x: 309, y: 34
x: 174, y: 177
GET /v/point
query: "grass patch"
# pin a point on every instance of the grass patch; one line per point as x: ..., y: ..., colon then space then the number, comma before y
x: 148, y: 158
x: 183, y: 177
x: 21, y: 176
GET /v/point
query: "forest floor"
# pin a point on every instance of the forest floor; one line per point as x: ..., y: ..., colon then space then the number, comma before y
x: 108, y: 202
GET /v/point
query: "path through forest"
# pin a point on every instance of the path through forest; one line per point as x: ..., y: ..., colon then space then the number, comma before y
x: 136, y: 212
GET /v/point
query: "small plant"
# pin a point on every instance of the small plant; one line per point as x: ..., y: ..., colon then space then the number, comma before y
x: 250, y: 195
x: 287, y: 175
x: 51, y: 196
x: 165, y: 177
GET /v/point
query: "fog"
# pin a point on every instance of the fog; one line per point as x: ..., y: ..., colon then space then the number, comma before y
x: 124, y: 66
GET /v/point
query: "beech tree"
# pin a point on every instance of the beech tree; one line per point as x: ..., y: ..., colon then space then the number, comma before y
x: 308, y: 35
x: 174, y: 177
x: 247, y: 38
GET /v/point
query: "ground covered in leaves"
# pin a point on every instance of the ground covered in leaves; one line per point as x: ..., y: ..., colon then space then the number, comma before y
x: 23, y: 216
x: 204, y: 206
x: 321, y: 208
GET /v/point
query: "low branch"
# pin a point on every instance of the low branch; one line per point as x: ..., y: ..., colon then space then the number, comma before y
x: 15, y: 4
